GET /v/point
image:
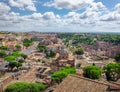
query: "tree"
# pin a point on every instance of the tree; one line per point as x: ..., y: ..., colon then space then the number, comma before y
x: 60, y: 75
x: 21, y: 61
x: 27, y: 42
x: 112, y: 71
x: 13, y: 62
x: 69, y: 70
x: 24, y: 56
x: 50, y: 54
x: 25, y: 87
x: 42, y: 47
x: 117, y: 57
x: 3, y: 48
x: 42, y: 50
x: 79, y: 51
x: 2, y: 54
x: 18, y: 46
x: 10, y: 58
x: 92, y: 72
x: 18, y: 64
x: 17, y: 54
x: 12, y: 65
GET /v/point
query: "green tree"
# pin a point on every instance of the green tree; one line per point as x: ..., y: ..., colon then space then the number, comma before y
x: 10, y: 58
x: 12, y: 65
x: 60, y: 75
x: 27, y: 42
x: 92, y: 72
x: 42, y: 47
x: 17, y: 54
x: 24, y: 56
x: 50, y: 54
x: 25, y: 87
x: 3, y: 48
x: 18, y: 64
x: 112, y: 71
x: 79, y: 51
x: 117, y: 57
x: 21, y: 61
x: 18, y: 46
x: 2, y: 54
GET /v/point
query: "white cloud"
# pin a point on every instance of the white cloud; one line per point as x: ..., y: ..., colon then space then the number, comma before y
x: 112, y: 15
x: 94, y: 17
x: 31, y: 8
x: 12, y: 19
x: 23, y: 4
x: 94, y: 11
x: 69, y: 4
x: 50, y: 15
x: 13, y: 14
x: 36, y: 16
x: 89, y: 17
x: 117, y: 7
x: 97, y: 6
x: 4, y: 9
x: 72, y: 15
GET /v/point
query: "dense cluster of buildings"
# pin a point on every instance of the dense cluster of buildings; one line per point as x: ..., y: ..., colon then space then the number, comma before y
x: 102, y: 48
x: 44, y: 66
x: 12, y: 39
x: 53, y: 43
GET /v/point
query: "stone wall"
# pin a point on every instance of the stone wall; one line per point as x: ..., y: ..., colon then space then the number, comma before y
x: 4, y: 82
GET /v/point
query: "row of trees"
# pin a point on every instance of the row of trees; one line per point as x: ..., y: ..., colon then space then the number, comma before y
x: 89, y: 38
x: 112, y: 71
x: 85, y: 40
x: 112, y: 38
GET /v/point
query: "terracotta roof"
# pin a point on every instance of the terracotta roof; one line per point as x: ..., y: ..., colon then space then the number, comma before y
x: 74, y: 83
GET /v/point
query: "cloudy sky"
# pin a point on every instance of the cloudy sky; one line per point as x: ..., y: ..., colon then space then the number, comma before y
x: 60, y: 15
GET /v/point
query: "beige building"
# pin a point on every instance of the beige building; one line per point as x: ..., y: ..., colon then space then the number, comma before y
x: 74, y: 83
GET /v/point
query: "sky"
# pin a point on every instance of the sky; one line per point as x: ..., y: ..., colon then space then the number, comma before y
x: 60, y: 15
